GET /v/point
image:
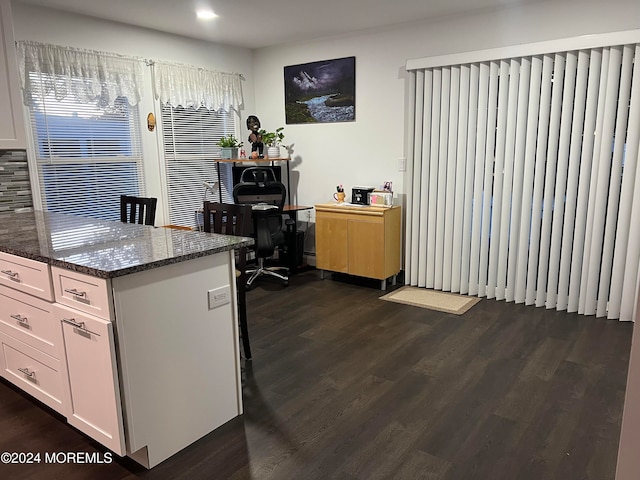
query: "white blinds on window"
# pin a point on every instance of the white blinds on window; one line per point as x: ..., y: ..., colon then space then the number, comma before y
x: 525, y: 186
x: 190, y: 139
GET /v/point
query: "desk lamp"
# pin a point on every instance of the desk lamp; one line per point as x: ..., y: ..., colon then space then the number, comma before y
x: 210, y: 187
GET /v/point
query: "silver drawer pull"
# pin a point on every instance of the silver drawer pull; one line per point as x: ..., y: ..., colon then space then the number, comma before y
x: 27, y: 372
x: 75, y: 292
x: 15, y: 276
x: 72, y: 321
x: 20, y: 319
x: 80, y: 326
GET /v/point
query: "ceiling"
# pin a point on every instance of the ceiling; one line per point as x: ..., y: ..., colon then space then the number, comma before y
x: 262, y: 23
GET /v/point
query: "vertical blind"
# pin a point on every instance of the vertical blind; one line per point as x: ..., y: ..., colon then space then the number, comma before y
x: 524, y: 180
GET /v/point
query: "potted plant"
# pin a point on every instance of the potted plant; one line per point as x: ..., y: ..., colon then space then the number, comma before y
x: 273, y: 140
x: 229, y: 147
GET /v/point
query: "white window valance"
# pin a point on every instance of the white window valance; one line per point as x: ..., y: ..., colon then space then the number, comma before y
x: 188, y: 86
x: 85, y: 75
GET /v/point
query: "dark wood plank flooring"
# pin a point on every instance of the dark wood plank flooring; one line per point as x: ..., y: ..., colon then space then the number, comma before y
x: 345, y: 386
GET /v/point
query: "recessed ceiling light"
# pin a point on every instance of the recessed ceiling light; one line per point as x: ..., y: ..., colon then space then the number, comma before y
x: 206, y: 14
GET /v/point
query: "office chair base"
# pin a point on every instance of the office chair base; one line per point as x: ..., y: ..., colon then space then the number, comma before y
x: 269, y: 271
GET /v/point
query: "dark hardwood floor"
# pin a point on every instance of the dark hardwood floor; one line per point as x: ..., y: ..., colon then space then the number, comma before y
x: 345, y: 386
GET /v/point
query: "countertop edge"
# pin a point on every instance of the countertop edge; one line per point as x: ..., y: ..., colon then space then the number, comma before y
x: 127, y: 270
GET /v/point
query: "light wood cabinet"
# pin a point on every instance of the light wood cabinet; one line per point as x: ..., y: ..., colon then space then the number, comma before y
x: 362, y: 241
x: 12, y: 133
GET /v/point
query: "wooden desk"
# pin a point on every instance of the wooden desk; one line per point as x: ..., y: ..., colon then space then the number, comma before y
x: 291, y: 229
x: 292, y: 210
x: 359, y: 240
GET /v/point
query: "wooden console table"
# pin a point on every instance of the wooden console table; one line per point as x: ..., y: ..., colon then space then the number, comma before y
x: 359, y: 240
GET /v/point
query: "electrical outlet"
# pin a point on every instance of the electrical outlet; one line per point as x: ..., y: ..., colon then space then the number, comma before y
x: 402, y: 164
x: 218, y: 297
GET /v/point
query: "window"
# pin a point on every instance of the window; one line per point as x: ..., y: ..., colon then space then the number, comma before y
x: 87, y: 154
x: 190, y: 140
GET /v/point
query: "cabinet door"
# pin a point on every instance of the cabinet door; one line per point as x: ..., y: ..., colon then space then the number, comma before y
x: 95, y: 395
x: 366, y: 247
x: 331, y: 242
x: 12, y: 135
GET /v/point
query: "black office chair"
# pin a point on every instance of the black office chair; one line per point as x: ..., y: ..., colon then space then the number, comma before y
x: 229, y: 219
x: 259, y: 188
x: 140, y: 210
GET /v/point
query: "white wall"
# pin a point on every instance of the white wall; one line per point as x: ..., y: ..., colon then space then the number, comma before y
x: 366, y: 152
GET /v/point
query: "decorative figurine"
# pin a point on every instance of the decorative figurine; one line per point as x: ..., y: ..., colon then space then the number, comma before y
x: 255, y: 137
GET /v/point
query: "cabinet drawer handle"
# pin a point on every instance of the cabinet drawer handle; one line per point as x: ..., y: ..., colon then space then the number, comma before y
x: 15, y: 276
x: 79, y: 325
x: 20, y: 319
x: 75, y: 292
x: 27, y: 372
x: 72, y: 321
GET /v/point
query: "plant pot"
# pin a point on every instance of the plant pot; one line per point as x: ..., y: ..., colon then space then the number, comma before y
x: 273, y: 152
x: 228, y: 153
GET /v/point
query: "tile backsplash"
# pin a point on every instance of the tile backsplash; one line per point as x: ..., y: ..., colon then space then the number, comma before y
x: 15, y: 188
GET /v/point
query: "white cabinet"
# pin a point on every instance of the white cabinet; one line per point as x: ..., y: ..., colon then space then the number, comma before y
x: 95, y: 396
x: 12, y: 134
x: 83, y: 308
x: 179, y: 359
x: 35, y: 372
x: 139, y: 362
x: 83, y: 292
x: 31, y: 348
x: 30, y: 320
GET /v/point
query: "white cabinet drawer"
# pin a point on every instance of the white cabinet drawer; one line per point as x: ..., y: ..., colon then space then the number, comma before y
x: 88, y: 294
x: 33, y: 371
x: 27, y: 275
x: 95, y: 406
x: 30, y: 320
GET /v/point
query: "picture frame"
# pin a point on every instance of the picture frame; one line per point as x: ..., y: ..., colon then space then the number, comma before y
x: 320, y: 92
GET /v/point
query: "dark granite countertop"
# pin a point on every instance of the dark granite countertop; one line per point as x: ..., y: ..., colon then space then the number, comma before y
x: 105, y: 249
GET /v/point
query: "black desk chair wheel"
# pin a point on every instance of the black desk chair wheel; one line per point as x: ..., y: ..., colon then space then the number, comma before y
x: 140, y: 210
x: 259, y: 189
x: 229, y: 219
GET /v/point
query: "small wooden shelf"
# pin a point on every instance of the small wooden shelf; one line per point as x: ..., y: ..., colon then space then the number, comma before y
x: 247, y: 160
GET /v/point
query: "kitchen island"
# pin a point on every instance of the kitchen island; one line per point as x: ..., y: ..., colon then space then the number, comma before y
x: 128, y: 331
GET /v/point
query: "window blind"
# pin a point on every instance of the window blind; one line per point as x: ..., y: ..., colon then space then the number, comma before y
x: 190, y: 138
x: 87, y: 154
x: 532, y: 162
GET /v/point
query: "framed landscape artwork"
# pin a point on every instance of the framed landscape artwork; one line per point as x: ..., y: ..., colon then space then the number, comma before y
x: 320, y: 92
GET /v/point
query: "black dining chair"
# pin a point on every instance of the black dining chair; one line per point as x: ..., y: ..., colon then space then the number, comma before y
x: 140, y: 210
x: 230, y: 219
